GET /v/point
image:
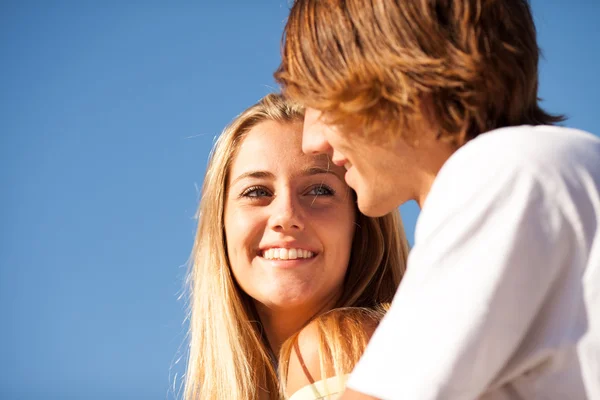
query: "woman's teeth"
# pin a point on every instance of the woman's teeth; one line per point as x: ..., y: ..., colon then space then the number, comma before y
x: 286, y: 254
x: 348, y: 165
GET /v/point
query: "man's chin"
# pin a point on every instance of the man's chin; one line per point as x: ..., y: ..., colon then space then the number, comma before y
x: 373, y: 207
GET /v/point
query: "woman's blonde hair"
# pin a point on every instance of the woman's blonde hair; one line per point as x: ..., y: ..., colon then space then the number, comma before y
x: 229, y: 355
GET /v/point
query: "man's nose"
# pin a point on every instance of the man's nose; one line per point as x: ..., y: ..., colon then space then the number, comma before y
x: 313, y: 138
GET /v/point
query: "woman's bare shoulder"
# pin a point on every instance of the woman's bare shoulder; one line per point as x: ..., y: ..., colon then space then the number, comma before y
x: 329, y: 346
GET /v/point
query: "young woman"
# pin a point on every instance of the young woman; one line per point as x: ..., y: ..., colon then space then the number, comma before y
x: 279, y: 242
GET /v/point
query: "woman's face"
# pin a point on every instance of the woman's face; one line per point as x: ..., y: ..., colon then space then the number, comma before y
x: 289, y: 220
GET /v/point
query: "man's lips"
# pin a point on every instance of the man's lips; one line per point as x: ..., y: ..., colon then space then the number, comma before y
x: 342, y: 162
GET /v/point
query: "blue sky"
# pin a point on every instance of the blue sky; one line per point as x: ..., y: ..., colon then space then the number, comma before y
x: 108, y: 111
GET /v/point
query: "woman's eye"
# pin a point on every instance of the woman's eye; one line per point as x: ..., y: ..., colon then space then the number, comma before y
x: 321, y: 190
x: 256, y: 192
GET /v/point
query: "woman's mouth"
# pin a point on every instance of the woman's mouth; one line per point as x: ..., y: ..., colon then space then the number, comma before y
x: 286, y: 254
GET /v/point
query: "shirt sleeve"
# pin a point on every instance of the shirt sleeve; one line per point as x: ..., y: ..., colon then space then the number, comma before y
x: 490, y: 243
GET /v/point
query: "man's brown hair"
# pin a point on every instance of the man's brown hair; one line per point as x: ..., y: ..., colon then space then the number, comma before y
x: 378, y: 65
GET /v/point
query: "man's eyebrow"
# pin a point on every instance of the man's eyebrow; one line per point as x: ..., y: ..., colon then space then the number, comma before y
x: 253, y: 174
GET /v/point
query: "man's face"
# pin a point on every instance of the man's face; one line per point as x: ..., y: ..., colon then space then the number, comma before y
x: 384, y: 176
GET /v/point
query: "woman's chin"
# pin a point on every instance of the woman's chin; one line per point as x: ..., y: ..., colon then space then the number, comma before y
x: 290, y: 300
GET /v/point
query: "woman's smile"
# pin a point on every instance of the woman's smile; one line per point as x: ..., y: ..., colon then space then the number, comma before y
x: 284, y: 258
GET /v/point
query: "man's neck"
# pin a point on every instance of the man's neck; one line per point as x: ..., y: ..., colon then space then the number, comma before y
x: 432, y: 155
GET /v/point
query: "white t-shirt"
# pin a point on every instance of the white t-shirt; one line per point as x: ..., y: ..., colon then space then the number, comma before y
x: 501, y: 299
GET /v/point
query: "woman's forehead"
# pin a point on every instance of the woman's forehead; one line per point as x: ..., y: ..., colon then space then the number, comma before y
x: 274, y: 146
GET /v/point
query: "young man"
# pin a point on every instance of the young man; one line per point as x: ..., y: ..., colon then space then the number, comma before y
x: 437, y: 101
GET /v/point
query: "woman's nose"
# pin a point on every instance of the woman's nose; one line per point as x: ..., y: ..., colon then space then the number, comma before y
x: 286, y: 214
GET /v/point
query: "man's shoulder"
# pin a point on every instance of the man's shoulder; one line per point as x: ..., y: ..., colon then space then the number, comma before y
x: 540, y: 152
x: 522, y: 145
x: 514, y: 168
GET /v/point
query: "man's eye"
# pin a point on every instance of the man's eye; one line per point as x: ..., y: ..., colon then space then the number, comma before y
x: 321, y: 190
x: 256, y: 192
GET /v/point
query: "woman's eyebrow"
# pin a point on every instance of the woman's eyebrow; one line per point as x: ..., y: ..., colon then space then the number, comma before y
x: 311, y: 171
x: 253, y: 174
x: 320, y: 170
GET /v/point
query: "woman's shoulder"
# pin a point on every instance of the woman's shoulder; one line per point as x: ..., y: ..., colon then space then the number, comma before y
x: 327, y: 348
x: 326, y: 389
